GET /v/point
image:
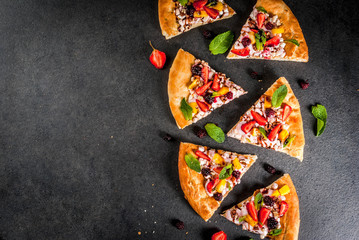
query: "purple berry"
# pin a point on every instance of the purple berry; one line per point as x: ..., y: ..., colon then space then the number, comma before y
x: 304, y: 84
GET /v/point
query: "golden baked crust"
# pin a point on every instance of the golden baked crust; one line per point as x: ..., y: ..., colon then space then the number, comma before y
x: 292, y: 30
x: 168, y: 21
x: 291, y: 220
x: 192, y: 183
x: 296, y: 148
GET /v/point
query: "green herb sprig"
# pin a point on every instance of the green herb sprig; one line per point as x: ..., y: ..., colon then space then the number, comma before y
x: 221, y: 43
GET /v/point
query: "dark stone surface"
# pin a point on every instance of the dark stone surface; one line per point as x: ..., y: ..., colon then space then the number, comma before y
x: 83, y: 112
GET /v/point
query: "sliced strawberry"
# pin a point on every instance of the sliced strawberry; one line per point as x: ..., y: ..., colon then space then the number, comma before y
x: 157, y: 58
x: 201, y: 90
x: 259, y: 119
x: 198, y: 5
x: 252, y: 211
x: 203, y: 106
x: 205, y: 74
x: 218, y: 169
x: 219, y: 236
x: 241, y: 52
x: 260, y: 20
x: 216, y: 84
x: 273, y: 133
x: 287, y: 110
x: 247, y: 127
x: 213, y: 13
x: 254, y: 30
x: 263, y: 215
x: 283, y: 208
x: 212, y: 184
x: 202, y: 155
x: 274, y: 41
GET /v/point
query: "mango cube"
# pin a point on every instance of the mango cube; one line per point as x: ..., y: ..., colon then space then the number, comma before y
x: 221, y: 185
x: 236, y: 164
x: 284, y: 190
x: 200, y: 14
x: 254, y: 132
x: 194, y: 107
x: 219, y: 6
x: 218, y: 159
x: 267, y: 103
x: 223, y: 91
x: 250, y: 220
x: 252, y: 37
x: 283, y: 135
x: 277, y: 30
x: 193, y: 84
x: 275, y: 193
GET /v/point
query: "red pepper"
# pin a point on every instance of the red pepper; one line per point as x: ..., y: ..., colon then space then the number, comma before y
x: 216, y: 84
x: 274, y: 132
x: 246, y: 128
x: 259, y: 119
x: 203, y: 106
x: 201, y: 90
x: 287, y: 110
x: 202, y: 155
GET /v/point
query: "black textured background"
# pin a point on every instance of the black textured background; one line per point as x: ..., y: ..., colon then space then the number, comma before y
x: 83, y: 112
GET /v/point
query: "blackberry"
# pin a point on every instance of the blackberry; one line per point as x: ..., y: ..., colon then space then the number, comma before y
x: 205, y: 171
x: 167, y: 138
x: 218, y: 196
x: 208, y: 34
x: 269, y: 25
x: 246, y: 41
x: 304, y: 84
x: 268, y: 201
x: 190, y: 10
x: 269, y: 168
x: 236, y: 174
x: 229, y: 95
x: 179, y: 224
x: 270, y: 112
x: 209, y: 99
x: 272, y: 223
x: 196, y: 70
x: 201, y: 133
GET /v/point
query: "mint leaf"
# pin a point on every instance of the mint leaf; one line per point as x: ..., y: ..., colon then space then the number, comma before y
x: 186, y: 109
x: 221, y: 43
x: 241, y: 219
x: 261, y: 39
x: 294, y: 41
x: 263, y: 132
x: 192, y: 162
x: 258, y: 200
x: 288, y: 141
x: 261, y: 9
x: 216, y: 133
x: 320, y: 113
x: 275, y: 232
x: 183, y: 2
x: 226, y: 172
x: 279, y: 95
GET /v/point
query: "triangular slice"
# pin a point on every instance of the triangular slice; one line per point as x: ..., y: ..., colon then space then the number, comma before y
x: 272, y: 212
x: 208, y: 175
x: 181, y: 16
x: 271, y: 32
x: 195, y: 89
x: 273, y: 124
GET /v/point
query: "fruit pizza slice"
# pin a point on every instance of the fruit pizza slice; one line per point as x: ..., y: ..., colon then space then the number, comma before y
x: 195, y: 89
x: 271, y: 32
x: 273, y: 122
x: 178, y: 16
x: 272, y: 212
x: 208, y: 175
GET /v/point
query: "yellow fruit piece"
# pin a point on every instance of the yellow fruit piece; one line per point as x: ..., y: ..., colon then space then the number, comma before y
x: 194, y: 107
x: 267, y: 103
x: 283, y: 135
x: 252, y: 37
x: 218, y: 159
x: 223, y: 91
x: 200, y: 14
x: 284, y: 190
x: 250, y: 220
x: 275, y: 193
x: 236, y: 164
x: 254, y: 132
x: 193, y: 84
x: 219, y: 6
x: 221, y: 185
x: 277, y: 30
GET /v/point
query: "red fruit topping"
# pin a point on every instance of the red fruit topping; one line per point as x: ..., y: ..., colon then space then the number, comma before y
x: 304, y: 84
x: 263, y: 215
x: 198, y: 5
x: 274, y: 132
x: 216, y: 84
x: 213, y: 13
x: 157, y: 58
x: 229, y: 95
x: 248, y: 126
x: 254, y: 30
x: 205, y: 74
x: 259, y: 119
x: 246, y: 41
x: 212, y: 184
x: 219, y: 236
x: 260, y: 19
x: 202, y: 105
x: 274, y: 41
x: 269, y: 25
x: 202, y: 155
x: 283, y: 208
x: 201, y: 90
x: 218, y: 169
x: 287, y: 110
x: 252, y: 211
x: 241, y: 52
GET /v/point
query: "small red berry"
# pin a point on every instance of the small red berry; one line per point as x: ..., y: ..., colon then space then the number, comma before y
x: 304, y: 84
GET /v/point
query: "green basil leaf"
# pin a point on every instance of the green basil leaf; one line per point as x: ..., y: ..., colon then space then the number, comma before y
x: 215, y: 94
x: 183, y: 2
x: 226, y: 172
x: 221, y: 43
x: 192, y: 162
x: 186, y: 109
x: 241, y: 219
x: 261, y: 9
x: 294, y: 41
x: 275, y: 232
x: 216, y: 133
x: 263, y: 132
x: 279, y: 95
x: 320, y: 113
x: 258, y: 200
x: 288, y: 141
